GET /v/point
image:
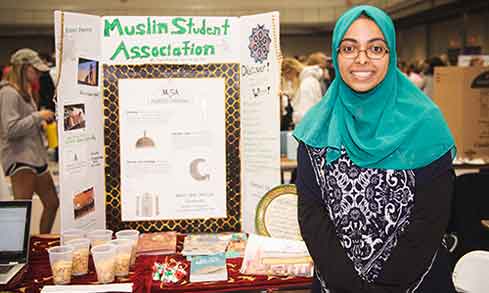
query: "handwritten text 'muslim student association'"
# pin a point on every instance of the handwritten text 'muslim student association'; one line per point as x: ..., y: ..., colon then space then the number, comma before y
x: 175, y: 26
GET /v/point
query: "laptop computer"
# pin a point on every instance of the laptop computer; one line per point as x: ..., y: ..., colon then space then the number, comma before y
x: 15, y: 219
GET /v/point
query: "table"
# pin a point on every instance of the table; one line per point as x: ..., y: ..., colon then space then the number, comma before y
x: 38, y: 274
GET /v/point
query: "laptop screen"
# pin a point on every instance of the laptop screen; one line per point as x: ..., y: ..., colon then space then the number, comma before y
x: 14, y: 228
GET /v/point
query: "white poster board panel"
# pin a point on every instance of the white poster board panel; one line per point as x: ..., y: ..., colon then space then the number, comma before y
x: 165, y: 39
x: 80, y: 121
x: 173, y: 157
x: 260, y: 122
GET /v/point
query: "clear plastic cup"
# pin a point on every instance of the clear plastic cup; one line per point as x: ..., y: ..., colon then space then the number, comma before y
x: 71, y: 234
x: 100, y: 236
x: 122, y: 256
x: 104, y: 260
x: 60, y: 258
x: 81, y: 251
x: 132, y: 235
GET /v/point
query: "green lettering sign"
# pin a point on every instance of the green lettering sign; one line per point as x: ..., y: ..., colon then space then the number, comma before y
x: 108, y: 27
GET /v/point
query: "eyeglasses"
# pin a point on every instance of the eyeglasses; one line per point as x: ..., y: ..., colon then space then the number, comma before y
x: 373, y: 51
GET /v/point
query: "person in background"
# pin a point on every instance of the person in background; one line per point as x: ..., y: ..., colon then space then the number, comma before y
x: 428, y: 75
x: 46, y: 91
x: 414, y: 75
x: 403, y: 67
x: 4, y: 193
x: 374, y: 174
x: 476, y: 61
x: 321, y: 60
x: 301, y: 58
x: 304, y: 86
x: 23, y: 155
x: 5, y: 71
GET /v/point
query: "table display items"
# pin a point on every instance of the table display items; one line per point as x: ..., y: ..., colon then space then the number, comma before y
x: 157, y: 243
x: 132, y: 235
x: 236, y: 246
x: 274, y: 256
x: 60, y: 259
x: 206, y: 268
x: 170, y: 272
x: 206, y: 243
x: 155, y: 273
x: 104, y: 257
x: 99, y: 236
x: 122, y: 256
x: 71, y: 234
x: 81, y: 252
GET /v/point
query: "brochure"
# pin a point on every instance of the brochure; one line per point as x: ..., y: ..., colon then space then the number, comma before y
x: 205, y: 268
x: 273, y: 256
x: 157, y: 243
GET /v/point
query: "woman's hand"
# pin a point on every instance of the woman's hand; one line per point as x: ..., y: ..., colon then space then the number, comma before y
x: 47, y: 115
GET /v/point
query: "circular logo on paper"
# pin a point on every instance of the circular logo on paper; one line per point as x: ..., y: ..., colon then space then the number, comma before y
x: 199, y: 170
x: 259, y: 43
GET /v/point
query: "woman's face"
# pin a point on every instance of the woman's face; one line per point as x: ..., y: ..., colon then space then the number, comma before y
x: 32, y: 74
x: 363, y: 73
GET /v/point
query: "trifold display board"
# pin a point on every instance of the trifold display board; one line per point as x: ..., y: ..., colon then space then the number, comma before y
x: 168, y: 123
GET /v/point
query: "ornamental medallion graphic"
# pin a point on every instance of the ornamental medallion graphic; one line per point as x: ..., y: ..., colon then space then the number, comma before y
x: 259, y: 43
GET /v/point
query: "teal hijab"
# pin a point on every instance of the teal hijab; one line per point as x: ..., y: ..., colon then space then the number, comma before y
x: 392, y: 126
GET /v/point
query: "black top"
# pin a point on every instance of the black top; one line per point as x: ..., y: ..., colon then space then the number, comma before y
x: 373, y: 230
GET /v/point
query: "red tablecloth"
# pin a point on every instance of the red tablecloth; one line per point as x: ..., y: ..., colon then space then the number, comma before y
x: 38, y: 274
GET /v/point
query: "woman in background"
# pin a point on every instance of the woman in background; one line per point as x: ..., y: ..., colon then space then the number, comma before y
x: 302, y: 85
x: 428, y: 74
x: 23, y: 155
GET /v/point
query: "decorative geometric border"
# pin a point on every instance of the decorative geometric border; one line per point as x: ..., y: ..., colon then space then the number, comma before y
x: 228, y: 71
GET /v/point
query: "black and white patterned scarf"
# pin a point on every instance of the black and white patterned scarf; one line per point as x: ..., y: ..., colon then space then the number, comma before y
x: 369, y: 208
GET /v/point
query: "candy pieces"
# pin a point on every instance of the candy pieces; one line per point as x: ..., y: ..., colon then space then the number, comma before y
x: 169, y: 272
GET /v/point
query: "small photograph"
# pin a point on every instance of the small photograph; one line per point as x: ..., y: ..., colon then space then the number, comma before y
x: 87, y: 72
x: 145, y: 142
x: 84, y: 203
x: 74, y: 117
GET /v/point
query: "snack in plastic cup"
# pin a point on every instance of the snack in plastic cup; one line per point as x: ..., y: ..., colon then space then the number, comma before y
x: 60, y: 258
x: 71, y: 234
x: 81, y: 251
x: 132, y: 235
x: 104, y: 260
x: 99, y: 236
x: 122, y: 256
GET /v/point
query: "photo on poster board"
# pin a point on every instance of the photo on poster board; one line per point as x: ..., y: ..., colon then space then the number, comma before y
x: 145, y: 142
x: 87, y: 72
x: 84, y: 203
x: 74, y: 117
x: 147, y: 205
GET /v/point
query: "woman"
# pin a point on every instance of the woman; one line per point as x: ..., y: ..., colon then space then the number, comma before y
x: 302, y: 86
x: 24, y: 157
x: 428, y: 74
x: 374, y: 170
